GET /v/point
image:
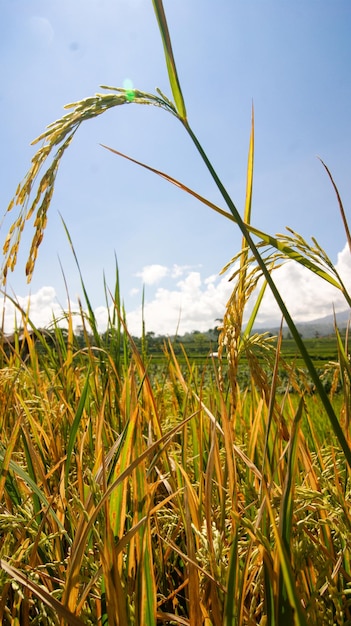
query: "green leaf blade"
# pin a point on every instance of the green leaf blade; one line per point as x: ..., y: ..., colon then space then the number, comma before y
x: 170, y: 62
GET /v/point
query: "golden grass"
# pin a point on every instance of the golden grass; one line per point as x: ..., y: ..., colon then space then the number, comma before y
x: 128, y: 497
x: 144, y: 499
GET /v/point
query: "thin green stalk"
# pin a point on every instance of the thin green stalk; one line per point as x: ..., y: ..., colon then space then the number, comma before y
x: 230, y: 606
x: 287, y: 251
x: 170, y: 62
x: 285, y: 613
x: 266, y: 273
x: 75, y: 425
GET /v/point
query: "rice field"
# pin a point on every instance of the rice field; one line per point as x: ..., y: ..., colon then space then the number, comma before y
x: 130, y: 497
x: 202, y: 494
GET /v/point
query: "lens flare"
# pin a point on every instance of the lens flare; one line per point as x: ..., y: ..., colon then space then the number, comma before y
x: 128, y: 86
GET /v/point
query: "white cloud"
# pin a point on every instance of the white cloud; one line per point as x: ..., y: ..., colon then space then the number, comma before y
x: 179, y: 270
x: 306, y: 296
x: 189, y: 305
x: 343, y: 265
x: 101, y: 316
x: 41, y: 307
x: 194, y: 302
x: 151, y: 274
x: 211, y: 279
x: 134, y: 291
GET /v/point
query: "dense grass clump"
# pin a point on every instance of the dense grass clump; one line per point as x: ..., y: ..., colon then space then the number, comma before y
x: 137, y: 498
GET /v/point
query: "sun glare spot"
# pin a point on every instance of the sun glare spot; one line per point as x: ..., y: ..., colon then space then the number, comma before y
x: 128, y: 86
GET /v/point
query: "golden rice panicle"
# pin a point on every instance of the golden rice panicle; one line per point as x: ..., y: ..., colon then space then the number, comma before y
x: 59, y: 135
x: 230, y: 342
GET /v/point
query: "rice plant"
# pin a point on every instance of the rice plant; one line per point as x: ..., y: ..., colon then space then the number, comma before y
x: 141, y: 496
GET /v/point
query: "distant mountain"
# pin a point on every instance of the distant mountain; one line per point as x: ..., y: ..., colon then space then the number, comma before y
x: 323, y: 326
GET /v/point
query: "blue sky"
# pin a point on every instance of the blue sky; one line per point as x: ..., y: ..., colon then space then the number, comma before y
x: 291, y: 59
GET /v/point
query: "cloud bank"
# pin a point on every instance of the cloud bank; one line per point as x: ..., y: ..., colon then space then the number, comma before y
x: 182, y: 300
